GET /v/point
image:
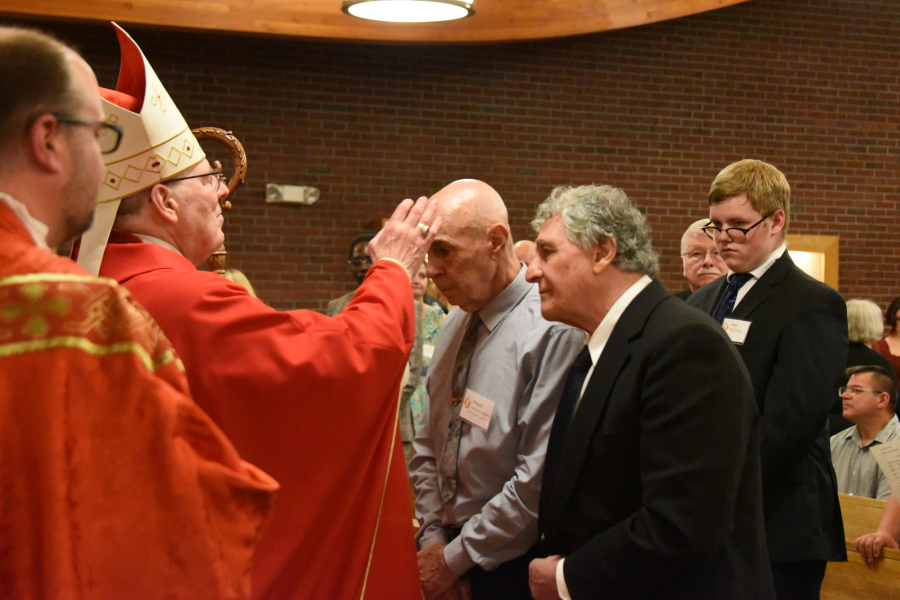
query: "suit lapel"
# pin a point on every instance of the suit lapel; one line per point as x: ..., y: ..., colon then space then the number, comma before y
x: 596, y: 396
x: 710, y: 299
x: 762, y: 289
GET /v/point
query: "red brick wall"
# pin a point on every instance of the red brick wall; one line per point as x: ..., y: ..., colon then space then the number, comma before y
x: 810, y: 86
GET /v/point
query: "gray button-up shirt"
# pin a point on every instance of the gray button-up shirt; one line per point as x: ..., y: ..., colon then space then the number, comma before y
x: 520, y: 362
x: 857, y: 471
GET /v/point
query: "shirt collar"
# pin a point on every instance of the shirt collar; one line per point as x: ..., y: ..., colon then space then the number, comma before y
x: 36, y: 228
x: 493, y: 313
x: 892, y: 427
x: 157, y: 242
x: 770, y: 260
x: 598, y: 339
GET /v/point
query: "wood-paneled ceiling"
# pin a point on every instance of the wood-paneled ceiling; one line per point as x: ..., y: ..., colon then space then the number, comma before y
x: 494, y: 20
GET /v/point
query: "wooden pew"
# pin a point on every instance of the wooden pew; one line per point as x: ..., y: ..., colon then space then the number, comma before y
x: 856, y: 579
x: 861, y: 515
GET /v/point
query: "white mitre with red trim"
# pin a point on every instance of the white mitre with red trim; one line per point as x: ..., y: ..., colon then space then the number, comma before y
x: 157, y: 144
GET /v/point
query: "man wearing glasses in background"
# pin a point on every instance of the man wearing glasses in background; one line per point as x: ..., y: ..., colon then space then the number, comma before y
x: 115, y: 484
x: 701, y: 260
x: 791, y: 332
x: 358, y: 262
x: 870, y: 403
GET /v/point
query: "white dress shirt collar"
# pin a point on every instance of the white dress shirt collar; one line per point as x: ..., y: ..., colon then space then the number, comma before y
x: 758, y: 272
x: 598, y: 339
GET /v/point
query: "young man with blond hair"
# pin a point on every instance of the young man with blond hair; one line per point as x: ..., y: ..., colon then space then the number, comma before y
x: 791, y: 332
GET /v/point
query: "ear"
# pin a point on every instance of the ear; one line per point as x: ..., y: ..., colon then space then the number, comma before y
x: 777, y: 221
x: 45, y: 143
x: 165, y: 203
x: 603, y: 254
x: 498, y: 236
x: 883, y: 400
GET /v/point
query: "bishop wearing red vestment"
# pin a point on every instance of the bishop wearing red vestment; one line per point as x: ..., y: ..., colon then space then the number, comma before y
x: 312, y: 400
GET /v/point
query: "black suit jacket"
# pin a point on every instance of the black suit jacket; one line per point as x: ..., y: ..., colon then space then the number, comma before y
x: 658, y: 493
x: 795, y: 350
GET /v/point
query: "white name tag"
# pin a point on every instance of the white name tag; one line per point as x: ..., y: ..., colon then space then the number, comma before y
x: 736, y: 329
x: 427, y: 350
x: 476, y: 410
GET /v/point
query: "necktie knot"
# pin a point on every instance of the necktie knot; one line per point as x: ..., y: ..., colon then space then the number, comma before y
x: 738, y: 280
x: 726, y: 303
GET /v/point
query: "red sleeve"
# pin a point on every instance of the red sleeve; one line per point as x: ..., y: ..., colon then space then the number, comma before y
x: 313, y: 401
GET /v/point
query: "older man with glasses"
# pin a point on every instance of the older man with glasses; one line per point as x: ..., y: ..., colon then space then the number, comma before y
x: 791, y: 332
x: 313, y: 398
x: 700, y: 259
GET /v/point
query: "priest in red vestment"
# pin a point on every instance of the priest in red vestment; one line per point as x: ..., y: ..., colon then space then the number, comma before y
x: 113, y: 483
x: 312, y: 400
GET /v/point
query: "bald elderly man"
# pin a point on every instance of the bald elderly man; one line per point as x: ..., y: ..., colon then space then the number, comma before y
x: 493, y: 386
x: 701, y: 260
x: 525, y: 251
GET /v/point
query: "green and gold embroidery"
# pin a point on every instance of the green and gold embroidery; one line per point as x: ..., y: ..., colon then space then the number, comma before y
x: 35, y: 308
x: 43, y: 311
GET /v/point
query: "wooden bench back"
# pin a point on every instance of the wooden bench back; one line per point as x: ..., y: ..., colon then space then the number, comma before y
x: 856, y: 579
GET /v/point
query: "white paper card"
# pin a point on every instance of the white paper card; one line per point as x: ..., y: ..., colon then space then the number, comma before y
x: 888, y: 457
x: 736, y: 329
x: 476, y: 410
x: 427, y: 350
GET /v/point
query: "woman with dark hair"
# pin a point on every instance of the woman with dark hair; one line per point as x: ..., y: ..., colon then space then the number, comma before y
x: 889, y: 345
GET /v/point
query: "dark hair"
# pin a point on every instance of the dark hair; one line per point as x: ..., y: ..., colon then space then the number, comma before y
x: 891, y: 316
x: 880, y: 378
x: 365, y: 236
x: 37, y: 80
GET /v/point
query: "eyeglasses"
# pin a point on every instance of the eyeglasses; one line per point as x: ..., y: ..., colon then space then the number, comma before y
x: 698, y: 256
x: 737, y: 234
x: 358, y: 263
x: 215, y: 181
x: 855, y: 389
x: 109, y: 135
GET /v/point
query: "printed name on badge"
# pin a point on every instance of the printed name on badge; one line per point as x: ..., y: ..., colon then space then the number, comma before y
x: 736, y: 329
x: 476, y: 410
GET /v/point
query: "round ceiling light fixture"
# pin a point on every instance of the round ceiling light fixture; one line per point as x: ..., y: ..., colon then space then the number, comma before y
x: 409, y: 11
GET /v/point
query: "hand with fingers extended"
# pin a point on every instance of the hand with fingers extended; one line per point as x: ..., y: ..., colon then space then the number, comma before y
x: 407, y: 235
x: 870, y: 545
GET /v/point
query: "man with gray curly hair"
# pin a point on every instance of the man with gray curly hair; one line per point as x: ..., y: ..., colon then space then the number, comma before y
x: 651, y: 482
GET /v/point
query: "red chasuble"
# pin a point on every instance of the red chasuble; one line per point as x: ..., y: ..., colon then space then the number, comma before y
x: 113, y: 483
x: 312, y: 400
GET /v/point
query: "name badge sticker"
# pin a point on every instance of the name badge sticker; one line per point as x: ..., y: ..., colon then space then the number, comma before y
x: 427, y: 350
x: 476, y: 410
x: 736, y: 329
